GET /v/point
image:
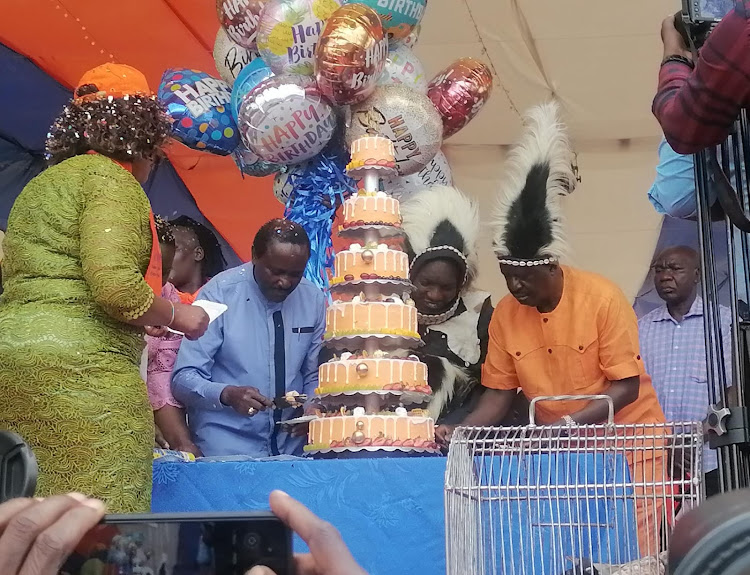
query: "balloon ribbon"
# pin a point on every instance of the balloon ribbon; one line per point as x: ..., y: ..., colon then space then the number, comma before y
x: 317, y: 192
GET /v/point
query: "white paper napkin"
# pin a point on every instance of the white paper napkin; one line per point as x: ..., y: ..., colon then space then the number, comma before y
x: 212, y: 308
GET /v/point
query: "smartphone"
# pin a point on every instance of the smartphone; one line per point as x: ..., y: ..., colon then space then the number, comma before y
x: 183, y: 544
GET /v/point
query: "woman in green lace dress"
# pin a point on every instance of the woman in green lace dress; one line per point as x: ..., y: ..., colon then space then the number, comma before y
x: 78, y: 244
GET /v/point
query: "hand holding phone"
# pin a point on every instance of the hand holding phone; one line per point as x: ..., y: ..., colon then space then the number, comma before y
x: 37, y: 536
x: 328, y: 555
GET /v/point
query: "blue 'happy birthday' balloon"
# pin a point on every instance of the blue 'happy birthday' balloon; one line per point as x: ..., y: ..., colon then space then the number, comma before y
x: 199, y: 107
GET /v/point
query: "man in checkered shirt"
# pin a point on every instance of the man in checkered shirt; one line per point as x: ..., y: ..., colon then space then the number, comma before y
x: 673, y: 346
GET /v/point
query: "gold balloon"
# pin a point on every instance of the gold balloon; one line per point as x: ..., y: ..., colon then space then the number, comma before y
x: 362, y: 369
x: 367, y: 256
x: 351, y: 54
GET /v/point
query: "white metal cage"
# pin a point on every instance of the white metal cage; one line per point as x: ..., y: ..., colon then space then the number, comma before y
x: 542, y: 500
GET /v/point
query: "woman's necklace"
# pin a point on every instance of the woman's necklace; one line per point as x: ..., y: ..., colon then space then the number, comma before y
x: 435, y: 319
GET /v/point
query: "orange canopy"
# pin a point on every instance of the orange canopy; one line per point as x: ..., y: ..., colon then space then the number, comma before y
x: 67, y: 37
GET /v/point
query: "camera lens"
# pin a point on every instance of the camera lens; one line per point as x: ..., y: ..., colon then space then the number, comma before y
x: 252, y: 542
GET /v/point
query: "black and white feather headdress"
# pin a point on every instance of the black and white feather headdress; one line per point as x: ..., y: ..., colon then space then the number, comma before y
x: 528, y: 221
x: 441, y: 222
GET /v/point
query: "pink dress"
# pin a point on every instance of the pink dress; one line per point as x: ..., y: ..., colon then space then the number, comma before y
x: 162, y: 354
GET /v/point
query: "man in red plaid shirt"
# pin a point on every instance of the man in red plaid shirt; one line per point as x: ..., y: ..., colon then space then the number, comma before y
x: 696, y: 105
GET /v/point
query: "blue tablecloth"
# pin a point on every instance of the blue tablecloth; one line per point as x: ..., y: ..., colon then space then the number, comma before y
x: 389, y: 511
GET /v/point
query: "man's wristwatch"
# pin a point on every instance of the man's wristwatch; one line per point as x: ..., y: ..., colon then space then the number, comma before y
x: 569, y: 421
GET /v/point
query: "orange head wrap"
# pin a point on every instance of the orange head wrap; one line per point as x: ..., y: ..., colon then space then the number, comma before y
x: 116, y: 80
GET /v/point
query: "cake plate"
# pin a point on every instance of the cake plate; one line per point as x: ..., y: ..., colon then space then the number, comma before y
x: 362, y: 341
x: 383, y: 286
x: 372, y: 451
x: 371, y: 232
x: 385, y: 396
x: 372, y: 171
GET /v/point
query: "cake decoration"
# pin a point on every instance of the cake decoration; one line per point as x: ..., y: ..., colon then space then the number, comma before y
x: 371, y: 153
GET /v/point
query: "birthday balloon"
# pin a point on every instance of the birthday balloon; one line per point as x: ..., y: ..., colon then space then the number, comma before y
x: 240, y: 20
x: 199, y: 108
x: 230, y: 58
x: 399, y: 16
x: 436, y: 173
x: 404, y: 116
x: 350, y: 55
x: 251, y: 75
x: 250, y: 164
x: 288, y: 33
x: 411, y: 40
x: 286, y: 120
x: 459, y: 92
x: 403, y: 67
x: 283, y: 184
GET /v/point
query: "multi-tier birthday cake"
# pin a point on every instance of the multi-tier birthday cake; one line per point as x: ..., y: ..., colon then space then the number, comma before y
x: 371, y: 395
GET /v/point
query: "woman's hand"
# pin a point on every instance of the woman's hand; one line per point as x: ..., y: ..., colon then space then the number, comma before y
x: 159, y: 440
x: 328, y: 555
x: 190, y: 320
x: 189, y: 447
x: 156, y: 331
x: 36, y: 536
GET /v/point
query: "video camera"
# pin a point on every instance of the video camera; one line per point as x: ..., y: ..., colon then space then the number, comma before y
x: 698, y: 19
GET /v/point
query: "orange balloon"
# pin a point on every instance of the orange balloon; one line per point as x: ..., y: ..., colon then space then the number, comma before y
x: 351, y: 54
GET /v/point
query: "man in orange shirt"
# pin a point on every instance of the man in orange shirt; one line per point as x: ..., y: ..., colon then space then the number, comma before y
x: 561, y: 331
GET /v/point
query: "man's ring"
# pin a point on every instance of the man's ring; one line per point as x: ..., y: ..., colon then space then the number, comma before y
x: 252, y: 411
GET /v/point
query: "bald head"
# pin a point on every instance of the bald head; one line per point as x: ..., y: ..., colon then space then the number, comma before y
x: 677, y: 275
x: 684, y: 252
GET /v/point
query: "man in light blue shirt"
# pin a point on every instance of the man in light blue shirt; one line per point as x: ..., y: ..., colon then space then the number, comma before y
x: 265, y: 345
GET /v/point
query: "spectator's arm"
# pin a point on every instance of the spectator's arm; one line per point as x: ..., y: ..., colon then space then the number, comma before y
x: 697, y: 108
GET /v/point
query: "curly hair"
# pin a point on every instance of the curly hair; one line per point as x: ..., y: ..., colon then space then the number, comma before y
x: 124, y: 129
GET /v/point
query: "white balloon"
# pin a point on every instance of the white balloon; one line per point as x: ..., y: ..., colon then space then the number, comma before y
x: 282, y: 185
x: 403, y: 67
x: 436, y: 173
x: 229, y: 57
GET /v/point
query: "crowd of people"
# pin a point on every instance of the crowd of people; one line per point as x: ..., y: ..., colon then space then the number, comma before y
x: 85, y: 282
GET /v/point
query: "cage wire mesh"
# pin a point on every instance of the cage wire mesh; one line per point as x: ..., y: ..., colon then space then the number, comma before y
x: 542, y: 500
